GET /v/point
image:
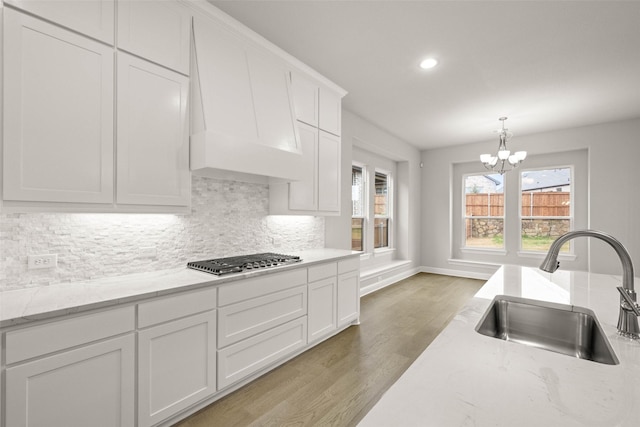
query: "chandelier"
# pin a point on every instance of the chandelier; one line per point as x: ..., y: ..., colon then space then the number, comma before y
x: 504, y: 161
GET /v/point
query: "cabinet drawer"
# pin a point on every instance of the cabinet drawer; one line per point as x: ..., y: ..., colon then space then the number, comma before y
x: 318, y: 272
x: 247, y: 318
x: 348, y: 265
x: 251, y: 355
x: 265, y: 284
x: 176, y: 306
x: 46, y: 338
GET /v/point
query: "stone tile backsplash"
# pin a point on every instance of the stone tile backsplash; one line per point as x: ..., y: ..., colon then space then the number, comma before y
x: 227, y: 218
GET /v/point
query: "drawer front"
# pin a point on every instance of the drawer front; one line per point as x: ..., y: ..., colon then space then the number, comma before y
x: 348, y: 265
x: 250, y: 356
x: 176, y: 306
x: 248, y: 318
x: 46, y: 338
x: 265, y: 284
x: 319, y: 272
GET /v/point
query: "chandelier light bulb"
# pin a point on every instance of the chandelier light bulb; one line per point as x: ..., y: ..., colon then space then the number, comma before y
x: 485, y: 158
x: 503, y: 154
x: 521, y: 155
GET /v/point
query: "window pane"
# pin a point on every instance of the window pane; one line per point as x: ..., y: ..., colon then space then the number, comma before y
x: 484, y: 211
x: 357, y: 192
x: 381, y: 203
x: 546, y: 208
x: 356, y: 234
x: 381, y: 233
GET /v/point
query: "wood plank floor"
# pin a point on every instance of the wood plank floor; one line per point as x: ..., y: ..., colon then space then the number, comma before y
x: 337, y: 382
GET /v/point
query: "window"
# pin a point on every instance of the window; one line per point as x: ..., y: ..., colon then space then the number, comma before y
x: 546, y: 208
x: 357, y: 208
x: 483, y: 211
x: 381, y: 208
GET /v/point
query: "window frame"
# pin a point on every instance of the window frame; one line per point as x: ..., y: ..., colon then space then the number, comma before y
x: 389, y: 210
x: 463, y: 226
x: 364, y: 206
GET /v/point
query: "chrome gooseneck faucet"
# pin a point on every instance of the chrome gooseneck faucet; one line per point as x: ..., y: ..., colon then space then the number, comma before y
x: 629, y: 309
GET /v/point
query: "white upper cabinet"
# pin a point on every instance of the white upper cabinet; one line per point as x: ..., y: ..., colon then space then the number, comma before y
x: 330, y: 114
x: 303, y: 195
x: 305, y: 96
x: 152, y: 147
x: 156, y: 30
x: 318, y: 192
x: 317, y: 105
x: 93, y: 18
x: 329, y: 148
x: 58, y: 114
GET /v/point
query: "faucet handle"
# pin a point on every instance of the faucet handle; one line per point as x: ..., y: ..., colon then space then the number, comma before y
x: 633, y: 306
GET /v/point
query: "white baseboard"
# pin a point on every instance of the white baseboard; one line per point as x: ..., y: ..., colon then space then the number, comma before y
x: 456, y: 273
x: 388, y: 281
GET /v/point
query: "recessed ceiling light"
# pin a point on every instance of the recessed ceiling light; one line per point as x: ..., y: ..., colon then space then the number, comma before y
x: 428, y: 63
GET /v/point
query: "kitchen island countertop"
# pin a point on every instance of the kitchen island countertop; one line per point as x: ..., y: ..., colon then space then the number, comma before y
x: 42, y: 302
x: 467, y: 379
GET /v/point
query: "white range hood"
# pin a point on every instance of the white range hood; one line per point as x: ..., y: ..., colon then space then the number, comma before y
x: 243, y: 121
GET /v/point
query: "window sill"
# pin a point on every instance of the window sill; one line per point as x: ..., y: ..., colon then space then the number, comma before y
x: 383, y: 251
x: 484, y: 251
x: 541, y: 255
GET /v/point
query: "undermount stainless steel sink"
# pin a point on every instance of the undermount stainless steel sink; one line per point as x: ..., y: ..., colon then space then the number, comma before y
x: 564, y: 329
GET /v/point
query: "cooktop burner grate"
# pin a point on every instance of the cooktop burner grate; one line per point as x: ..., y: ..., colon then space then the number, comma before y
x: 237, y: 264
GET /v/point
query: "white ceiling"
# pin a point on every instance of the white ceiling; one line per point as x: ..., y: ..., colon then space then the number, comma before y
x: 545, y: 64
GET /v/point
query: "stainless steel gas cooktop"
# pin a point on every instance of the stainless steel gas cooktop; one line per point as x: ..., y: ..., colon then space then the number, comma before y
x: 237, y: 264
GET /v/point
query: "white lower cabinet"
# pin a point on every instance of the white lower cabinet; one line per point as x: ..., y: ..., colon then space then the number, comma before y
x: 177, y: 364
x: 348, y: 291
x: 322, y: 308
x: 251, y: 355
x: 87, y: 386
x: 176, y: 353
x: 192, y: 347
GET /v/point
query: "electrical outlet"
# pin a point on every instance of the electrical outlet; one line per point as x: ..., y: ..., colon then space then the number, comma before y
x: 42, y: 261
x: 148, y: 252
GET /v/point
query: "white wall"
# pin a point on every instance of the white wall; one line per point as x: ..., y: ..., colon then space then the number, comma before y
x: 613, y: 202
x: 357, y: 132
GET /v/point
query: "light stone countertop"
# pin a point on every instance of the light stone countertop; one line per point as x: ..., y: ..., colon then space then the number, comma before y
x: 467, y: 379
x: 43, y: 302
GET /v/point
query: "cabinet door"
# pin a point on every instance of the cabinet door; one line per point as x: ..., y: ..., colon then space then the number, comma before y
x: 329, y: 148
x: 58, y: 114
x: 303, y: 195
x: 88, y: 386
x: 153, y: 142
x: 177, y: 366
x: 305, y: 99
x: 156, y: 30
x: 348, y: 298
x: 322, y: 308
x: 330, y: 115
x: 94, y: 18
